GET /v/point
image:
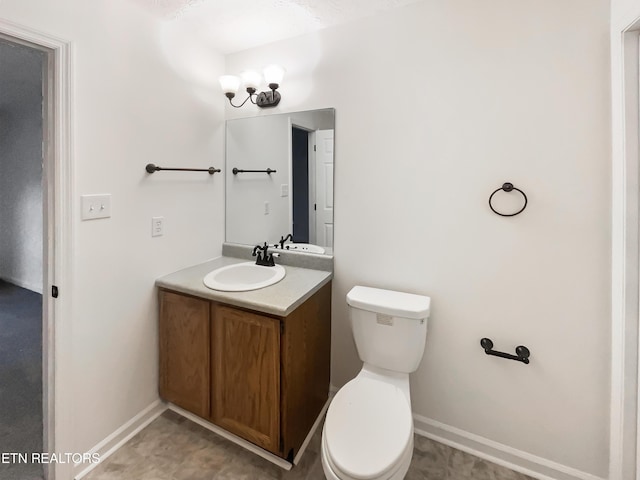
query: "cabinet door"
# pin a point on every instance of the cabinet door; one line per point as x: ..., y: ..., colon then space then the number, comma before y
x: 184, y: 337
x: 246, y: 375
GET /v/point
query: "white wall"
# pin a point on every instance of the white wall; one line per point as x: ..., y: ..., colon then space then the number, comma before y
x: 505, y: 91
x: 623, y: 14
x: 21, y: 166
x: 142, y: 93
x: 317, y: 120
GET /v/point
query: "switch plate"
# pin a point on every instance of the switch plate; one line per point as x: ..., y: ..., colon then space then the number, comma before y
x: 95, y: 206
x: 284, y: 190
x: 266, y: 208
x: 157, y: 226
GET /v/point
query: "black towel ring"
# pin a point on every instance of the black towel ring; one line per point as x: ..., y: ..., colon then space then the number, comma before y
x: 508, y: 187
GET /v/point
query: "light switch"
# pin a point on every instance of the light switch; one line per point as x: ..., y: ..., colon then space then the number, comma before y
x: 266, y: 208
x: 284, y: 190
x: 95, y: 206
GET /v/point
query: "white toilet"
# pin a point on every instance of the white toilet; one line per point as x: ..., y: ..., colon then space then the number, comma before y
x: 368, y: 431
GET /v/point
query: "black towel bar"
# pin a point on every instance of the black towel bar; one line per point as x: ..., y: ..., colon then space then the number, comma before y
x: 151, y: 168
x: 268, y: 171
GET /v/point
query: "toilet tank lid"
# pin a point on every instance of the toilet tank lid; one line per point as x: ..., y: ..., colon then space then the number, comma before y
x: 389, y: 302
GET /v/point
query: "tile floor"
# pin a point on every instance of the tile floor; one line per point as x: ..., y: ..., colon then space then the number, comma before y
x: 174, y: 448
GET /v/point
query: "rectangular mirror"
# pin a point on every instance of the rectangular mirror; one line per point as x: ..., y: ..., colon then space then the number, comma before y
x: 279, y: 180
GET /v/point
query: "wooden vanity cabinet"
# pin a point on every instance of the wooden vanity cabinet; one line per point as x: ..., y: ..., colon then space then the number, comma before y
x: 245, y: 381
x: 264, y: 378
x: 184, y: 333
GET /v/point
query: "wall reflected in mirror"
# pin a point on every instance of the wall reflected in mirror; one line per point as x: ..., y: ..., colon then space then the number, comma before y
x: 263, y: 205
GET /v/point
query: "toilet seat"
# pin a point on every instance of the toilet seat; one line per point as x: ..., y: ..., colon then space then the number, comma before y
x: 368, y: 430
x: 397, y: 472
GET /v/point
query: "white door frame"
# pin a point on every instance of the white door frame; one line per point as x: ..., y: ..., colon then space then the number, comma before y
x: 313, y: 235
x: 624, y: 439
x: 58, y: 214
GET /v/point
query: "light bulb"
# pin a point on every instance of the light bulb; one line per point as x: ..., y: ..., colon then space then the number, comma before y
x: 229, y: 84
x: 273, y: 75
x: 251, y: 79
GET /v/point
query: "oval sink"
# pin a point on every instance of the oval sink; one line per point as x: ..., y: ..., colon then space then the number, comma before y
x: 241, y: 277
x: 304, y: 247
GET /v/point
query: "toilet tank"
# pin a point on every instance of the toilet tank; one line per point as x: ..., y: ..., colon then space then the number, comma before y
x: 389, y: 328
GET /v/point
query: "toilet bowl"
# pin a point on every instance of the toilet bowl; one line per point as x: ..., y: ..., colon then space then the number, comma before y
x: 368, y: 430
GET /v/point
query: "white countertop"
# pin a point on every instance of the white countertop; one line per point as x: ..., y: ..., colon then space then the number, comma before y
x: 279, y: 299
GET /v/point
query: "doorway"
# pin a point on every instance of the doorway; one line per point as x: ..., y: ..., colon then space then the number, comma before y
x: 23, y: 80
x: 300, y: 182
x: 312, y: 181
x: 57, y: 262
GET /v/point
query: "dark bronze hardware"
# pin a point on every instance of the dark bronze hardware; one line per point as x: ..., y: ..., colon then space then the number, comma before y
x: 522, y: 352
x: 268, y: 171
x: 264, y: 258
x: 508, y: 187
x: 151, y: 168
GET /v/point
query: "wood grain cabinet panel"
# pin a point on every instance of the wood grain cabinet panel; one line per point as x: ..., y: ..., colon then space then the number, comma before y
x: 246, y: 375
x: 306, y: 369
x: 264, y: 378
x: 184, y: 352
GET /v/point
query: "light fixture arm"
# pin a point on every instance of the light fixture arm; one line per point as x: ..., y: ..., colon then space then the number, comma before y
x: 231, y: 95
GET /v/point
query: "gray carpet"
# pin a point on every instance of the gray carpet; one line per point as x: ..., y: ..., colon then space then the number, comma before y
x: 20, y: 379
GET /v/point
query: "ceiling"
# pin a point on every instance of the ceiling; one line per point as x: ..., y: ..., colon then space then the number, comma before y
x: 234, y: 25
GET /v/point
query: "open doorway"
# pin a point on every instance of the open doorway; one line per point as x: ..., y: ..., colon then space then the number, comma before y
x: 312, y: 180
x: 23, y: 242
x: 300, y: 182
x: 57, y: 262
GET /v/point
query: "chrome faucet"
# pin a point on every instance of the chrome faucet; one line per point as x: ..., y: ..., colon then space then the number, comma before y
x: 265, y: 258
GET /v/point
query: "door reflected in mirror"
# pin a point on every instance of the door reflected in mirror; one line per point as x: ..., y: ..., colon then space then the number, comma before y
x: 279, y: 180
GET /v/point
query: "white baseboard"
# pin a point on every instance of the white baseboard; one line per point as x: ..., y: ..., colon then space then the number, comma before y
x: 500, y: 454
x: 497, y: 453
x: 34, y: 287
x: 121, y: 436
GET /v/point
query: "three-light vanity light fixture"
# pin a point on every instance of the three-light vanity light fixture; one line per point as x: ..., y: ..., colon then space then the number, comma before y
x: 251, y: 80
